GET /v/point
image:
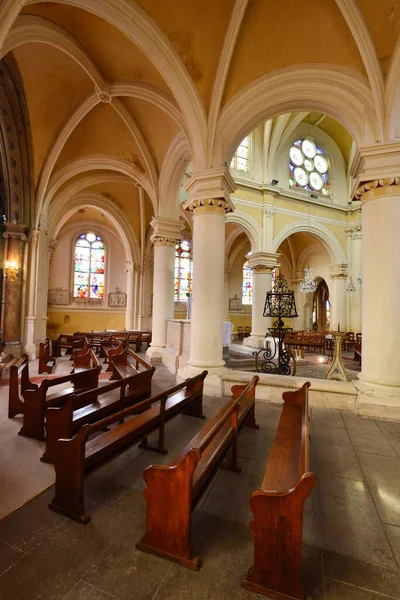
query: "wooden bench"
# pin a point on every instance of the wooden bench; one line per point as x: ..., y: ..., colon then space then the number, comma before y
x: 76, y: 457
x: 357, y: 353
x: 65, y: 341
x: 127, y: 363
x: 5, y: 361
x: 80, y: 347
x: 37, y: 400
x: 277, y: 507
x: 46, y: 361
x: 107, y: 345
x: 19, y: 383
x: 173, y: 491
x: 90, y: 407
x: 116, y: 351
x: 85, y: 359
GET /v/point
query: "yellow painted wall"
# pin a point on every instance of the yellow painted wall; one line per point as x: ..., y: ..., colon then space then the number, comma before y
x: 241, y: 319
x: 83, y: 321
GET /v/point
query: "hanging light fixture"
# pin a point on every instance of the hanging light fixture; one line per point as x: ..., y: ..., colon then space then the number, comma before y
x: 351, y: 288
x: 359, y: 279
x: 307, y: 284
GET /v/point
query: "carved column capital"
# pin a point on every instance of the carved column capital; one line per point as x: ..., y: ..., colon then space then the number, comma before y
x: 209, y: 192
x: 263, y: 262
x: 338, y: 271
x: 16, y: 231
x: 128, y: 266
x: 166, y: 232
x: 377, y: 187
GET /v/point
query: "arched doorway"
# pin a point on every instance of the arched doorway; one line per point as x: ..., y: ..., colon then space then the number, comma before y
x: 321, y: 307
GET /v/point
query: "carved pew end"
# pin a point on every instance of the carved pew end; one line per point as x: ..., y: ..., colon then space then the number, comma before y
x: 193, y: 563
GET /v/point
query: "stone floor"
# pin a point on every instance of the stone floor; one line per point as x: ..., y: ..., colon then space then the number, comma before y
x: 351, y: 526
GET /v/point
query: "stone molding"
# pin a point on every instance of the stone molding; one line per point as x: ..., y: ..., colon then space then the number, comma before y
x: 354, y: 231
x: 16, y: 231
x: 166, y: 232
x: 263, y: 262
x: 377, y: 187
x: 210, y: 190
x: 128, y: 266
x: 338, y: 271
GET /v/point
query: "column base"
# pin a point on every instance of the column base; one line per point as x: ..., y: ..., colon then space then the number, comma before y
x: 377, y: 400
x: 30, y: 346
x: 254, y: 341
x: 213, y: 383
x: 154, y: 354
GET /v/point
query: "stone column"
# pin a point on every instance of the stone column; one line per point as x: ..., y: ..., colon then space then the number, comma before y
x: 299, y: 323
x: 379, y: 381
x: 30, y: 346
x: 129, y: 314
x: 356, y: 298
x: 167, y: 232
x: 226, y: 292
x: 338, y: 276
x: 15, y: 236
x: 209, y: 201
x: 262, y: 264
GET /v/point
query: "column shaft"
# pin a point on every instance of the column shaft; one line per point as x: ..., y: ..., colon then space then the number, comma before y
x: 129, y: 315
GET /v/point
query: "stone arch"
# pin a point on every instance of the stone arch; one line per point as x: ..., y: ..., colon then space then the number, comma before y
x: 249, y: 225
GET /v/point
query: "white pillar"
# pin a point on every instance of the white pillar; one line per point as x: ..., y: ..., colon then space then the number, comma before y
x: 226, y: 292
x: 300, y: 322
x: 30, y: 347
x: 262, y: 264
x: 379, y: 385
x: 129, y: 314
x: 209, y: 201
x: 338, y: 276
x: 356, y: 298
x: 167, y: 233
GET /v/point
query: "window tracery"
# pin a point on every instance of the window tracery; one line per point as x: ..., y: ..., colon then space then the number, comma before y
x: 247, y: 284
x: 183, y: 270
x: 309, y: 167
x: 89, y: 266
x: 241, y: 158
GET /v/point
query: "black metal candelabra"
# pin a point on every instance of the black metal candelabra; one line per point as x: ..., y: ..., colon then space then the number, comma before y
x: 279, y: 303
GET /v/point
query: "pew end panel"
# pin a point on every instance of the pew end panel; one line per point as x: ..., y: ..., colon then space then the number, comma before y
x: 69, y: 487
x: 19, y: 368
x: 297, y: 397
x: 277, y: 531
x: 168, y: 521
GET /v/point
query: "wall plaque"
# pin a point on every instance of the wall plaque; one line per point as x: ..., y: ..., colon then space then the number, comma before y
x: 58, y: 296
x: 235, y: 303
x: 117, y: 298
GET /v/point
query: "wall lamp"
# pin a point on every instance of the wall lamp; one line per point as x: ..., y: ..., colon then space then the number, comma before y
x: 12, y: 271
x: 274, y: 182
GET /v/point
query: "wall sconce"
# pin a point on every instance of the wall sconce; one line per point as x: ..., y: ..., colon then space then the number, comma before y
x: 11, y: 271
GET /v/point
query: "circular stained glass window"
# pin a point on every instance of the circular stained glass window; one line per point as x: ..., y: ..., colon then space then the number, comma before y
x: 309, y: 167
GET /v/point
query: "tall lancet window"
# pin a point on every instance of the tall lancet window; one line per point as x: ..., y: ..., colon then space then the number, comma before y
x: 89, y: 266
x: 241, y: 158
x: 309, y: 167
x: 247, y: 284
x: 183, y: 270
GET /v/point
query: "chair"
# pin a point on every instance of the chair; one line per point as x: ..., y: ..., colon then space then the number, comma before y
x: 349, y: 341
x: 358, y: 338
x: 240, y: 331
x: 247, y: 331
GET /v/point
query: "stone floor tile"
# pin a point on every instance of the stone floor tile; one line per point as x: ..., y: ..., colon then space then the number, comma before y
x: 84, y: 591
x: 371, y: 442
x: 354, y: 422
x: 55, y: 566
x: 312, y: 534
x: 9, y: 556
x: 105, y: 474
x: 383, y: 476
x: 342, y: 591
x: 225, y: 550
x: 30, y: 525
x: 394, y: 537
x: 255, y: 444
x: 391, y: 430
x: 121, y: 498
x: 126, y: 572
x: 326, y: 418
x: 350, y: 523
x: 361, y: 574
x: 340, y: 461
x: 331, y: 435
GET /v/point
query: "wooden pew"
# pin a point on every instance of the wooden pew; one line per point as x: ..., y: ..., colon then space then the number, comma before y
x: 277, y: 507
x: 19, y: 370
x: 37, y: 400
x: 46, y: 361
x: 80, y: 347
x: 90, y: 407
x: 127, y: 363
x: 76, y: 457
x: 108, y: 345
x: 67, y: 341
x: 5, y: 361
x: 173, y: 491
x: 116, y: 351
x: 85, y: 359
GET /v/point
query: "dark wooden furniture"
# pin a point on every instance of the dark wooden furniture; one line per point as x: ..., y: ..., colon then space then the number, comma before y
x: 46, y: 361
x: 135, y: 336
x: 65, y: 341
x: 240, y: 332
x: 78, y: 456
x: 19, y: 383
x: 92, y: 406
x: 108, y: 345
x: 85, y: 359
x: 126, y: 363
x: 278, y: 506
x: 357, y: 353
x: 173, y: 491
x: 119, y: 348
x: 5, y: 361
x: 37, y: 400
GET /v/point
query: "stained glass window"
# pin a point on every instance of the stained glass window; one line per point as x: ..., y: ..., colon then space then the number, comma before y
x: 309, y: 167
x: 89, y: 266
x: 240, y: 160
x: 247, y: 284
x: 183, y: 270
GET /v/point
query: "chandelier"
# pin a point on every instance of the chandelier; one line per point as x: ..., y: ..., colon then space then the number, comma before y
x: 307, y: 284
x: 351, y: 288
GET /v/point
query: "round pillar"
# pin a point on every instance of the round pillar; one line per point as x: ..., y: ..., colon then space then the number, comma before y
x: 129, y: 314
x: 338, y: 275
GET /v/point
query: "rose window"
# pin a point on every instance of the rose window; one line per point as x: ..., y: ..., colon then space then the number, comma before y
x: 309, y: 167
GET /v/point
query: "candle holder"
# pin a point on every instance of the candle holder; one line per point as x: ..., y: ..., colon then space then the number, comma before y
x: 337, y: 371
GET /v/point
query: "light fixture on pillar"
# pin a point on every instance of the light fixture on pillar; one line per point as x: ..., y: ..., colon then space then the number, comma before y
x: 359, y: 279
x: 307, y: 284
x: 11, y: 271
x: 279, y: 303
x: 351, y: 288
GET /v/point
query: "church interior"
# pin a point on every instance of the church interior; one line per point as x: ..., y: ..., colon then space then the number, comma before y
x: 199, y: 369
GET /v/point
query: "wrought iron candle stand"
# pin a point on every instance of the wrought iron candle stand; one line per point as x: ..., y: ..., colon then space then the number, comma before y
x: 280, y: 303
